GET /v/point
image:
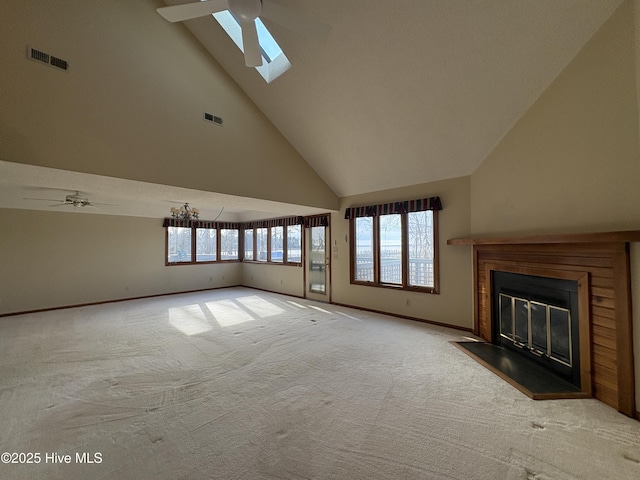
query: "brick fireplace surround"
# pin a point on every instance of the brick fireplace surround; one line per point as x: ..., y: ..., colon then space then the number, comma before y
x: 600, y: 264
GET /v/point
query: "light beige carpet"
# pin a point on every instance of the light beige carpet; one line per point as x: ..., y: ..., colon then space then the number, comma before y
x: 241, y: 384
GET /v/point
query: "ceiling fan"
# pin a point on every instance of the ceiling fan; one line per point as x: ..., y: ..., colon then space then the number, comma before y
x: 76, y: 199
x: 245, y: 11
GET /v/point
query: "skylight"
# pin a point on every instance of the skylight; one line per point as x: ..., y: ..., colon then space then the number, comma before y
x: 274, y: 61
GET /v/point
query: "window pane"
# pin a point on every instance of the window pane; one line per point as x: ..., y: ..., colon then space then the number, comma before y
x: 206, y: 245
x: 294, y: 243
x: 248, y: 244
x: 390, y: 238
x: 421, y: 249
x: 179, y: 245
x: 317, y: 260
x: 261, y: 238
x: 228, y: 244
x: 364, y: 249
x: 277, y: 252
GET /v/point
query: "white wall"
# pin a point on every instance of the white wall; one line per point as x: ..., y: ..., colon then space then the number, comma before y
x: 59, y: 259
x: 275, y: 278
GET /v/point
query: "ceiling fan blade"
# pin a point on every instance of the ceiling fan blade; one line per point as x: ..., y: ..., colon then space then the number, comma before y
x: 178, y: 13
x: 61, y: 204
x: 250, y: 44
x: 108, y: 204
x: 294, y: 21
x: 41, y: 199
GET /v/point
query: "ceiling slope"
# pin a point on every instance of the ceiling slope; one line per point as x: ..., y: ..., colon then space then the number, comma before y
x: 413, y: 91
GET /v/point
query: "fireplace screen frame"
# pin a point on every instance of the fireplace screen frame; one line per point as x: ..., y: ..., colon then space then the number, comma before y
x: 582, y: 378
x: 531, y: 345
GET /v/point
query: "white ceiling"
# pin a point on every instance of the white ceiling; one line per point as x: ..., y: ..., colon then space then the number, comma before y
x: 404, y: 92
x: 38, y: 188
x: 387, y: 94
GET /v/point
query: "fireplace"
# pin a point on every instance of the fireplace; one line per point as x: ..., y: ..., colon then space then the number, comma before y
x: 598, y: 264
x: 537, y: 317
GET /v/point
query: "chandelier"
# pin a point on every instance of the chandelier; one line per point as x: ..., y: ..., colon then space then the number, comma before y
x: 185, y: 212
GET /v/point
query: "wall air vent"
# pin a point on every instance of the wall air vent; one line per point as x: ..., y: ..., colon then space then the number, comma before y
x: 37, y: 55
x: 59, y: 63
x: 43, y: 57
x: 209, y: 117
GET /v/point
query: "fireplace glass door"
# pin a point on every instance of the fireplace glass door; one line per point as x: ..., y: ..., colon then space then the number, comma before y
x: 543, y: 329
x: 538, y: 317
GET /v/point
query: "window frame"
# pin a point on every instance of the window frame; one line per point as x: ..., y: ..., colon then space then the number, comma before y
x: 242, y: 247
x: 219, y: 246
x: 166, y: 247
x: 194, y: 260
x: 404, y: 285
x: 269, y: 260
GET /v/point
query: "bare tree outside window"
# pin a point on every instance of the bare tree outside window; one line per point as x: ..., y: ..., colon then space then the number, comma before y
x: 390, y: 239
x: 178, y: 244
x: 206, y: 244
x: 421, y: 249
x: 248, y: 244
x: 364, y: 249
x: 294, y: 243
x: 277, y: 245
x: 228, y: 244
x: 261, y: 243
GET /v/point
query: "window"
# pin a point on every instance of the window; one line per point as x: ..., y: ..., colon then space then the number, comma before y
x: 280, y: 243
x: 200, y: 244
x: 229, y: 244
x: 390, y: 241
x: 178, y: 245
x: 294, y: 243
x: 421, y: 250
x: 363, y: 253
x: 261, y: 244
x: 208, y: 242
x: 395, y: 245
x: 277, y: 244
x: 248, y: 244
x: 274, y: 61
x: 206, y: 245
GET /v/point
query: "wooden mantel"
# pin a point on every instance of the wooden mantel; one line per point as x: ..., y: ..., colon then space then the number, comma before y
x: 602, y: 261
x: 595, y: 237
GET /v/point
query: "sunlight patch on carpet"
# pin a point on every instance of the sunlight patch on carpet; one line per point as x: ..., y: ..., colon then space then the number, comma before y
x: 189, y: 319
x: 228, y: 313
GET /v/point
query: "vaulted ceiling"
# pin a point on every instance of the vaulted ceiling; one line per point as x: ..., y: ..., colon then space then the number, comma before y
x: 398, y: 93
x: 384, y: 94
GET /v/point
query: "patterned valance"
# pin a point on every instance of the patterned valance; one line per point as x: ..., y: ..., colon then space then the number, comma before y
x: 419, y: 205
x: 174, y: 222
x: 317, y: 221
x: 274, y: 222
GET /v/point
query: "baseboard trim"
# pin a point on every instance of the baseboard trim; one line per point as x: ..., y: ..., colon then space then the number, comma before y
x: 103, y: 302
x: 405, y: 317
x: 355, y: 307
x: 271, y: 291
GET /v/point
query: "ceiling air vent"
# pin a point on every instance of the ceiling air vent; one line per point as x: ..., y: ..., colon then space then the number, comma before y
x: 43, y: 57
x: 209, y: 117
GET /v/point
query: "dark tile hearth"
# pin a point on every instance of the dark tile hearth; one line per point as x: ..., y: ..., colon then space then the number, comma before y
x: 529, y: 377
